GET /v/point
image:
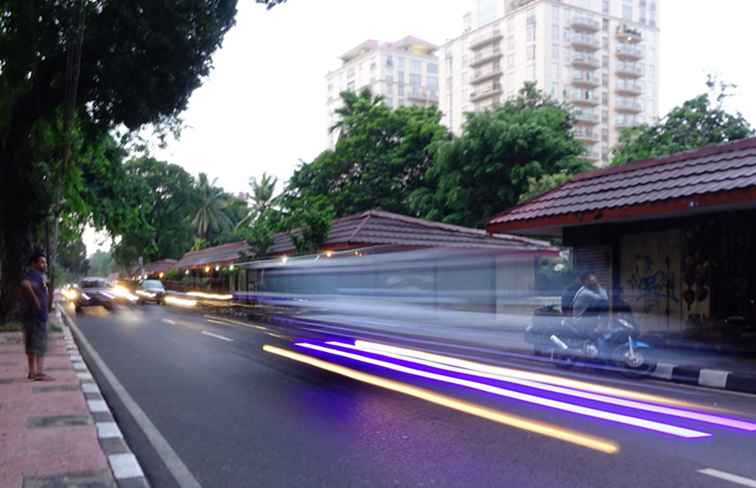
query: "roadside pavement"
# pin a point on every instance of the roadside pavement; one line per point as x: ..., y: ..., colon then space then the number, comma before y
x: 57, y: 433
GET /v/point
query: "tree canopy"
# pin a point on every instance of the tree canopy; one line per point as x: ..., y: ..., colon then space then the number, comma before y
x: 501, y: 155
x: 698, y: 122
x: 380, y: 157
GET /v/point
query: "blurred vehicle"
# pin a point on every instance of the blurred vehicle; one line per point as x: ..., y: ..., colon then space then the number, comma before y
x: 616, y: 344
x: 94, y: 292
x: 151, y: 291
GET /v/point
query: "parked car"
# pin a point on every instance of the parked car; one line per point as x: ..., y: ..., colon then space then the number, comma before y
x: 151, y: 291
x: 94, y: 292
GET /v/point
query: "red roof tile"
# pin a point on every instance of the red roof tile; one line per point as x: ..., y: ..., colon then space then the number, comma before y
x: 218, y: 255
x: 713, y: 169
x: 376, y: 227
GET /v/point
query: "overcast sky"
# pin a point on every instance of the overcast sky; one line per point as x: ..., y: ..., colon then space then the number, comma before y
x: 262, y: 109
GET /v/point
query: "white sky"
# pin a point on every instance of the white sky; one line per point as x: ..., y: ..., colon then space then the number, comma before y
x: 262, y: 108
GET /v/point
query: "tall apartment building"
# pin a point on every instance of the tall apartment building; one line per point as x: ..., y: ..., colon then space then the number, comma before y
x: 404, y: 72
x: 599, y: 55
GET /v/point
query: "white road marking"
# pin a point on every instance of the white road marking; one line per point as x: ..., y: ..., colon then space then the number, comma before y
x: 169, y: 321
x: 733, y: 478
x: 217, y: 322
x: 217, y: 336
x: 178, y: 469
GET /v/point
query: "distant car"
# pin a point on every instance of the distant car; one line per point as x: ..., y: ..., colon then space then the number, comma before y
x: 151, y: 291
x: 94, y: 292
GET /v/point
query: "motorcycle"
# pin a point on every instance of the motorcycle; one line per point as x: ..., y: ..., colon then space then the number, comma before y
x: 553, y: 336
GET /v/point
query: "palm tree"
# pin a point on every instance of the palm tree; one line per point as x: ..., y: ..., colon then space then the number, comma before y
x: 262, y: 198
x: 210, y: 215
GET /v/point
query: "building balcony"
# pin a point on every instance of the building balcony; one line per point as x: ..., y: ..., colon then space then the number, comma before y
x: 482, y: 93
x: 629, y: 70
x: 485, y: 74
x: 592, y: 155
x: 585, y: 135
x: 485, y: 39
x: 585, y: 42
x: 585, y: 24
x: 484, y: 57
x: 584, y: 79
x: 629, y: 89
x: 422, y: 95
x: 625, y: 123
x: 581, y: 100
x: 627, y: 34
x: 585, y: 61
x: 586, y: 117
x: 628, y: 52
x: 628, y: 106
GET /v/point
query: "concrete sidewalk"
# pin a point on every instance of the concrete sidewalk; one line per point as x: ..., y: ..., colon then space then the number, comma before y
x: 48, y: 436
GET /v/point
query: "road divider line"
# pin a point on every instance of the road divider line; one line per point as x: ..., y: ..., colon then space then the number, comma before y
x: 733, y: 478
x: 169, y: 321
x: 217, y: 336
x: 227, y: 321
x: 548, y: 430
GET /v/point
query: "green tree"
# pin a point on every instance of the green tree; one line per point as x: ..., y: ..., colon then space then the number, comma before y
x: 381, y: 156
x: 502, y: 154
x: 698, y: 122
x: 210, y: 216
x: 164, y: 200
x: 309, y: 223
x: 101, y: 264
x: 262, y: 198
x: 104, y: 64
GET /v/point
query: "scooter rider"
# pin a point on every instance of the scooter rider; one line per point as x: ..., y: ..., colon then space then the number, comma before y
x: 590, y: 306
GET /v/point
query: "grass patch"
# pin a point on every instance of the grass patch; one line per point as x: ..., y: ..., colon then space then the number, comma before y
x: 11, y: 327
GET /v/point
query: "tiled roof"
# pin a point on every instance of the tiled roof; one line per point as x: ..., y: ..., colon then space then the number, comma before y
x: 161, y: 266
x: 376, y: 227
x: 712, y: 169
x: 224, y: 254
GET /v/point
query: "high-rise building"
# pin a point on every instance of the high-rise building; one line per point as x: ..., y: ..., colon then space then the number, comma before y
x: 404, y: 72
x: 599, y: 55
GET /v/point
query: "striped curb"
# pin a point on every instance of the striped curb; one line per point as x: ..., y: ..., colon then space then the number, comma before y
x: 124, y: 466
x: 710, y: 378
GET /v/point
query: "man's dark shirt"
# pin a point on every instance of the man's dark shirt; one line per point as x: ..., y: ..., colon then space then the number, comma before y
x: 39, y: 286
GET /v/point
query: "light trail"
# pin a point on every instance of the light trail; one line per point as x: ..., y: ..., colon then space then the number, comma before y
x: 524, y: 397
x: 524, y: 375
x: 658, y: 409
x: 590, y: 442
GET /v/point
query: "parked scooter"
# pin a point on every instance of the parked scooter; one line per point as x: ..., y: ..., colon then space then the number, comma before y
x: 555, y: 337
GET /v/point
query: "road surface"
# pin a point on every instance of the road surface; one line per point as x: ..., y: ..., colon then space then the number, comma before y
x: 236, y: 415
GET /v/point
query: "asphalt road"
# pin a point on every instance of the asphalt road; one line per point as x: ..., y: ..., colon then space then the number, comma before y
x: 238, y: 416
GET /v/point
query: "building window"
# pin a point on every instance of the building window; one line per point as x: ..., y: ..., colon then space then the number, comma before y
x: 432, y: 68
x: 652, y: 13
x: 416, y: 66
x: 400, y: 64
x: 555, y: 31
x: 604, y: 61
x: 605, y: 25
x: 605, y: 43
x: 415, y: 81
x: 604, y: 80
x: 531, y: 30
x: 531, y: 53
x: 605, y: 135
x: 389, y: 61
x: 433, y: 86
x: 627, y: 9
x: 605, y: 7
x: 605, y: 99
x: 604, y: 116
x: 400, y: 83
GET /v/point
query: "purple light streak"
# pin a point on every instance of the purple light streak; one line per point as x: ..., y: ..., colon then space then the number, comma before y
x: 636, y: 405
x: 524, y: 397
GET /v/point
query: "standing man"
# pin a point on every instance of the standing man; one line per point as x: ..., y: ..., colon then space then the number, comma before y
x: 35, y: 316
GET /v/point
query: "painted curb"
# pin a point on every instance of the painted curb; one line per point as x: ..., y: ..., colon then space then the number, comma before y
x: 124, y: 466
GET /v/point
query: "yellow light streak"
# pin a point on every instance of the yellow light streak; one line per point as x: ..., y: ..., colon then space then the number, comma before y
x: 548, y: 430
